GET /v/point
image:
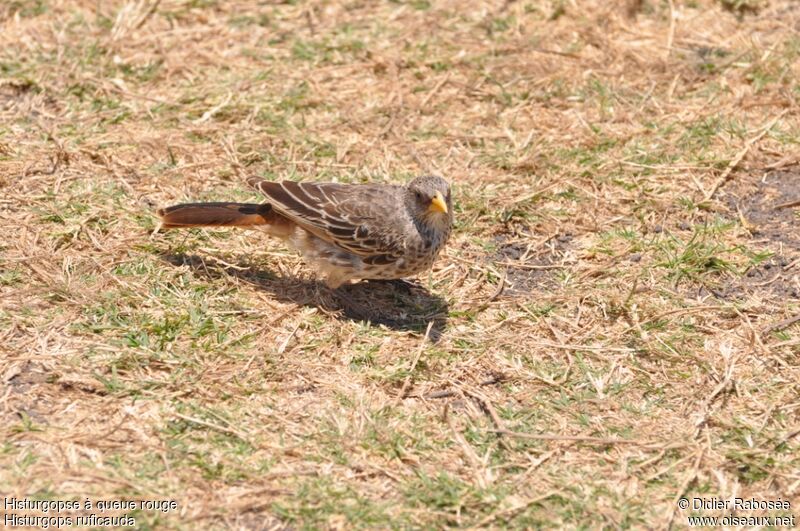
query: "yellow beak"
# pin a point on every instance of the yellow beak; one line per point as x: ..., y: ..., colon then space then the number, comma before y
x: 438, y: 204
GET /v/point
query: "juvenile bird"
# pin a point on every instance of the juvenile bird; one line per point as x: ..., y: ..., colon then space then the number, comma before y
x: 345, y: 231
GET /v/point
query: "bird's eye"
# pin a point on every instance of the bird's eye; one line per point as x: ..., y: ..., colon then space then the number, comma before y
x: 419, y: 194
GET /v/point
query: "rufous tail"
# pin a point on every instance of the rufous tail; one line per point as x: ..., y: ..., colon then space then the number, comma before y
x: 217, y: 215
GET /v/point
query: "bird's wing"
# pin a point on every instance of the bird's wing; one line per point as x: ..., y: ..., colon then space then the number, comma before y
x: 366, y: 220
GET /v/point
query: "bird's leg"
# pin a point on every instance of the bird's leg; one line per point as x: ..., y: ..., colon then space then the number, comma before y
x: 341, y: 292
x: 404, y: 285
x: 334, y: 280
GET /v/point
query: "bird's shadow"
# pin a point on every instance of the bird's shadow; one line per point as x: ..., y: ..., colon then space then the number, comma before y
x: 396, y: 304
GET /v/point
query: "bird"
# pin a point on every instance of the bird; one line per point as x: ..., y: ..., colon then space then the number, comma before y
x: 346, y: 232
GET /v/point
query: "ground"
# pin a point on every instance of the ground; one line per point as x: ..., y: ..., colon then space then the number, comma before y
x: 611, y: 328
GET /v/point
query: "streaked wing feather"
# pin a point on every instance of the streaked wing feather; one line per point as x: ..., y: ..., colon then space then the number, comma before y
x: 361, y: 219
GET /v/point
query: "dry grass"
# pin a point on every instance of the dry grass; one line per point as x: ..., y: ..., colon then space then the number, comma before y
x: 619, y: 285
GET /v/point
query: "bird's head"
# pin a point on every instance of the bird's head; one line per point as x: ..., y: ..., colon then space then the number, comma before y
x: 429, y: 200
